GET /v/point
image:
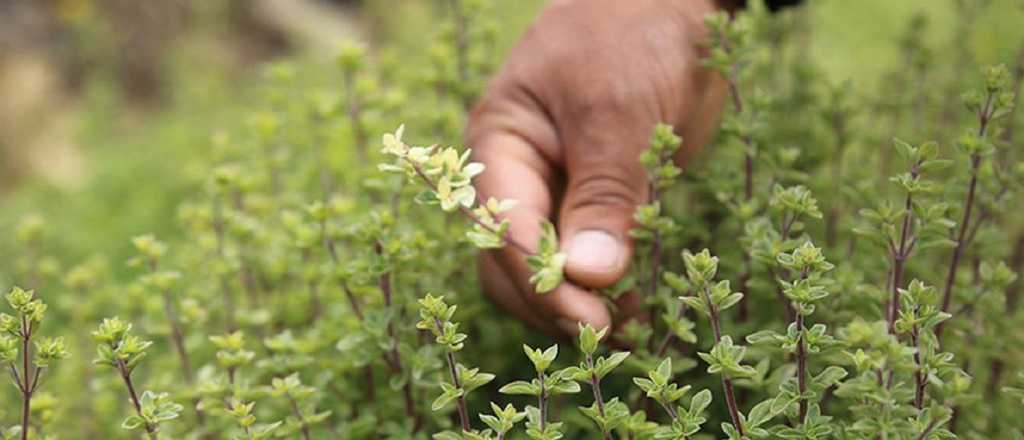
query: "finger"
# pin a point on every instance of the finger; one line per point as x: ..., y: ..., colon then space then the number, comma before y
x: 606, y: 183
x: 516, y: 169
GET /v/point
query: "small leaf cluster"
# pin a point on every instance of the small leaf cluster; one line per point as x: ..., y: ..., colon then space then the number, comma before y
x: 155, y: 409
x: 548, y: 263
x: 659, y: 387
x: 123, y: 351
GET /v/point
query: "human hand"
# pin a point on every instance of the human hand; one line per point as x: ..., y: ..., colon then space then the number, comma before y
x: 561, y: 128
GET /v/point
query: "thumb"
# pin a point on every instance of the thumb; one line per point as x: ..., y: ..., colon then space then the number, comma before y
x: 606, y: 182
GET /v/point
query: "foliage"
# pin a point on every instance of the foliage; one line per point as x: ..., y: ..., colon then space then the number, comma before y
x: 848, y: 283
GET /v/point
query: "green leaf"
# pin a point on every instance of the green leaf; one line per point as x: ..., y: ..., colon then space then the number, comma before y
x: 521, y: 387
x: 606, y: 365
x: 700, y: 402
x: 448, y: 394
x: 759, y: 414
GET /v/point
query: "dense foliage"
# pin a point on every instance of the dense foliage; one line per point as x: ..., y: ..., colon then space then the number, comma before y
x: 839, y: 264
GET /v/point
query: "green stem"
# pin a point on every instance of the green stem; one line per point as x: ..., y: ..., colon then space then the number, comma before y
x: 27, y: 387
x: 456, y: 382
x: 299, y: 417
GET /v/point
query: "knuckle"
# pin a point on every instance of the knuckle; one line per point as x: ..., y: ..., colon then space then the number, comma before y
x: 604, y: 97
x: 604, y: 189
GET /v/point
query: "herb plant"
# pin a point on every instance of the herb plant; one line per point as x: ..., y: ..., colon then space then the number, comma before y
x: 841, y: 263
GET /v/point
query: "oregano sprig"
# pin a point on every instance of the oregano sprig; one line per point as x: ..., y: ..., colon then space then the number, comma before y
x: 710, y: 298
x: 653, y: 225
x: 436, y: 317
x: 544, y: 387
x: 658, y: 386
x: 16, y: 332
x: 448, y: 176
x: 302, y: 403
x: 806, y: 290
x: 151, y: 251
x: 989, y: 104
x: 918, y: 317
x: 611, y: 414
x: 123, y: 351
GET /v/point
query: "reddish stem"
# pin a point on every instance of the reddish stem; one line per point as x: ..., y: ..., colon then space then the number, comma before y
x: 727, y: 386
x: 984, y: 117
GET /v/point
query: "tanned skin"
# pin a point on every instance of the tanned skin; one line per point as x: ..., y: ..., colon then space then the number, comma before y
x: 561, y: 128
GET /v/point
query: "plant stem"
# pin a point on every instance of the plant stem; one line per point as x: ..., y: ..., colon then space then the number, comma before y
x: 899, y: 255
x: 396, y: 357
x: 954, y: 262
x: 801, y: 366
x: 225, y: 284
x: 126, y: 376
x: 928, y: 430
x: 669, y: 336
x: 333, y: 252
x: 461, y: 49
x: 655, y: 247
x: 542, y: 401
x: 784, y: 230
x: 801, y: 350
x: 668, y: 407
x: 838, y: 124
x: 245, y: 275
x: 456, y: 382
x: 790, y: 313
x: 595, y: 386
x: 26, y: 409
x: 655, y: 260
x: 748, y: 194
x: 314, y: 301
x: 352, y: 301
x: 354, y: 113
x: 984, y: 117
x: 919, y: 378
x: 177, y: 335
x: 469, y: 214
x: 744, y: 305
x: 178, y: 340
x: 748, y: 175
x: 299, y: 417
x: 369, y: 391
x: 727, y: 386
x: 27, y: 387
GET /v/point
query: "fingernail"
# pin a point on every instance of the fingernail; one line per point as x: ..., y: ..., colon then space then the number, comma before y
x: 568, y: 326
x: 594, y: 250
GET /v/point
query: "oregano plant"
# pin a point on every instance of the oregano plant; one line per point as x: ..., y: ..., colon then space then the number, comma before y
x: 857, y: 275
x: 26, y: 358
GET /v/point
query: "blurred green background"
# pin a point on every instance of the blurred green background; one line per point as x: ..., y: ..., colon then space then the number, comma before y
x: 108, y: 104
